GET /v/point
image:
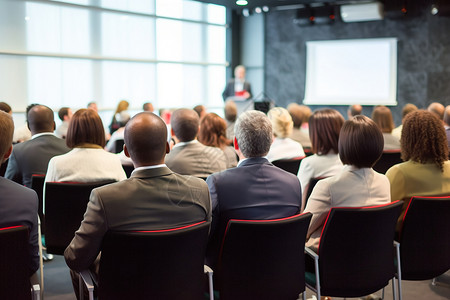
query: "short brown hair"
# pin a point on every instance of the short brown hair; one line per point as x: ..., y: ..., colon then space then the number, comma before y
x: 85, y: 127
x: 230, y: 111
x: 185, y: 124
x: 408, y: 108
x: 423, y: 139
x: 360, y: 142
x: 297, y: 114
x: 6, y: 133
x: 382, y: 116
x: 324, y: 128
x: 5, y: 107
x: 213, y: 131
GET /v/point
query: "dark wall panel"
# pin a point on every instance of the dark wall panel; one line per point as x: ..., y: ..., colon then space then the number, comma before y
x: 423, y: 56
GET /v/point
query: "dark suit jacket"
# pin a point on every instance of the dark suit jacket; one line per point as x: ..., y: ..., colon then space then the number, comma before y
x: 196, y: 159
x: 151, y: 199
x: 19, y: 206
x: 254, y: 190
x: 229, y: 89
x: 32, y: 157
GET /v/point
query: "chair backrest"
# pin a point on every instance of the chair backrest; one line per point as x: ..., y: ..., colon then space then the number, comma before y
x: 160, y: 264
x: 128, y: 170
x: 425, y: 238
x: 3, y: 168
x: 387, y: 160
x: 290, y: 165
x: 356, y: 254
x: 37, y: 184
x: 14, y: 263
x: 263, y: 259
x: 312, y: 183
x: 118, y: 146
x: 65, y: 205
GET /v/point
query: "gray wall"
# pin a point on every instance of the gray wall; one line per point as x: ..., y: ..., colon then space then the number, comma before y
x: 423, y: 56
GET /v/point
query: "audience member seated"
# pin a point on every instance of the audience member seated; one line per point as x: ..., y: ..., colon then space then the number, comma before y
x: 87, y: 161
x: 306, y: 112
x: 23, y: 133
x: 282, y: 147
x: 122, y: 119
x: 147, y: 106
x: 255, y: 189
x: 408, y: 108
x: 200, y: 110
x: 188, y: 156
x: 360, y: 146
x: 92, y: 105
x: 115, y: 123
x: 5, y: 107
x: 213, y: 130
x: 153, y: 198
x: 64, y: 114
x: 324, y: 128
x: 426, y: 170
x: 32, y: 157
x: 382, y: 116
x: 230, y: 111
x: 298, y: 135
x: 447, y: 124
x: 437, y: 109
x: 354, y: 110
x: 18, y: 204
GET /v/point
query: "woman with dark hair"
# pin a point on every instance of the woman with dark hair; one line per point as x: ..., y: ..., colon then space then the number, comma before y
x: 87, y: 161
x: 213, y: 133
x: 360, y: 146
x: 324, y: 128
x: 382, y: 116
x: 426, y: 170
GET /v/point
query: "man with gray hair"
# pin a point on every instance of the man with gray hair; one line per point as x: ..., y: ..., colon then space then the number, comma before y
x: 255, y: 189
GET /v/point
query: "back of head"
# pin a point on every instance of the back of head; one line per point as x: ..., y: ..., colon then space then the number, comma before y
x: 306, y: 112
x: 437, y: 109
x: 382, y: 116
x: 85, y: 127
x: 297, y: 114
x: 146, y: 139
x: 200, y: 110
x: 147, y: 106
x: 185, y: 124
x: 213, y: 131
x: 282, y: 123
x: 324, y: 128
x: 408, y: 108
x: 6, y: 133
x: 423, y: 139
x: 253, y: 132
x: 40, y: 119
x: 230, y: 111
x: 63, y: 111
x: 5, y: 107
x: 447, y: 115
x: 355, y: 110
x: 92, y: 105
x: 123, y: 105
x: 360, y: 142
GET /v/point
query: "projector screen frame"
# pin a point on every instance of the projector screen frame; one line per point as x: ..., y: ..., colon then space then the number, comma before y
x: 388, y: 60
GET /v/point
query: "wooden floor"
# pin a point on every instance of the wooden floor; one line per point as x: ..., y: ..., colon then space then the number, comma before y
x: 58, y: 285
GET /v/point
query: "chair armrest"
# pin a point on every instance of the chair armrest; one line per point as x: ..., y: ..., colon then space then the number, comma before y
x: 207, y: 269
x: 36, y: 292
x: 85, y: 275
x: 311, y: 253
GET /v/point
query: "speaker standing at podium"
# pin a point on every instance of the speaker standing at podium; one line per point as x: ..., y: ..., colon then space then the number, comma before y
x: 238, y: 88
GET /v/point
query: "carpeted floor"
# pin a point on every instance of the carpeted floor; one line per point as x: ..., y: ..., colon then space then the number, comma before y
x: 58, y: 285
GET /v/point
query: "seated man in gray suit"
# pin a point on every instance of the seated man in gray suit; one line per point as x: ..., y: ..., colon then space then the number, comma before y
x: 188, y: 156
x: 18, y: 204
x: 255, y: 189
x: 32, y: 157
x: 154, y: 197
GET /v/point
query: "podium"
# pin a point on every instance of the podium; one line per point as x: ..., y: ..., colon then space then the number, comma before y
x: 244, y: 105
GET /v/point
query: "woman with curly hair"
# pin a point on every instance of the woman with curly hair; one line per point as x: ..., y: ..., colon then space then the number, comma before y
x: 282, y: 125
x: 426, y: 170
x: 213, y: 133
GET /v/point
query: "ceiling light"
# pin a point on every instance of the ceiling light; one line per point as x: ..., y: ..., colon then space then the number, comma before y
x: 265, y: 8
x: 241, y: 2
x: 245, y: 12
x: 258, y: 10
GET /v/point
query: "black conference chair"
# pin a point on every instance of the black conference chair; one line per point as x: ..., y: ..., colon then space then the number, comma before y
x: 356, y: 255
x: 128, y: 170
x: 312, y: 183
x: 65, y: 205
x: 14, y: 265
x: 158, y: 264
x: 118, y: 146
x: 425, y: 238
x: 37, y: 184
x: 263, y: 259
x: 387, y: 160
x: 290, y: 165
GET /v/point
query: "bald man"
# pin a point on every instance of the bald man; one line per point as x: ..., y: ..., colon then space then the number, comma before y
x: 32, y: 157
x: 354, y: 110
x: 188, y: 156
x: 437, y: 109
x: 154, y: 197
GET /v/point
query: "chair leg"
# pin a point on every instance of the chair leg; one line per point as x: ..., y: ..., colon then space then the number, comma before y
x: 382, y: 294
x: 304, y: 295
x: 209, y: 271
x: 399, y: 270
x: 41, y: 261
x: 316, y: 266
x: 394, y: 289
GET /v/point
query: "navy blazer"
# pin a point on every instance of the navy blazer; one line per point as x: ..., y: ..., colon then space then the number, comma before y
x: 229, y: 89
x: 255, y: 190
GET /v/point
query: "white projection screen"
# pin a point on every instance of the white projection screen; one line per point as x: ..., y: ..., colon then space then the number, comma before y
x: 357, y: 71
